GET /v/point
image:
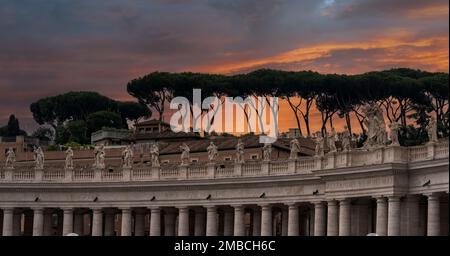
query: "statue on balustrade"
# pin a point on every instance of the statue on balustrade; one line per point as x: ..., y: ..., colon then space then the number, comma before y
x: 10, y: 158
x: 394, y: 134
x: 267, y: 151
x: 332, y: 140
x: 432, y: 130
x: 99, y: 157
x: 69, y: 158
x: 38, y: 158
x: 184, y: 154
x: 376, y: 127
x: 346, y: 140
x: 154, y: 152
x: 320, y: 145
x: 212, y: 151
x: 240, y: 152
x: 127, y: 157
x: 295, y: 149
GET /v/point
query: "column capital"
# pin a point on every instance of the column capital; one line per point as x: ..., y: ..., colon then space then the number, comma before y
x: 292, y: 204
x: 97, y: 210
x: 265, y: 205
x: 237, y: 206
x: 345, y: 201
x: 210, y: 208
x: 183, y: 208
x: 67, y: 209
x: 393, y: 198
x: 125, y: 209
x: 433, y: 195
x: 37, y: 209
x: 332, y: 202
x: 155, y: 209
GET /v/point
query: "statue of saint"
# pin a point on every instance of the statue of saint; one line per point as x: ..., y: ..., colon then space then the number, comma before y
x: 267, y: 151
x: 240, y: 152
x: 212, y: 151
x: 320, y: 143
x: 38, y: 158
x: 394, y: 134
x: 346, y: 140
x: 10, y: 158
x: 69, y: 158
x: 332, y: 140
x: 184, y: 154
x: 295, y: 149
x: 154, y: 152
x: 432, y: 130
x: 127, y: 157
x: 376, y: 126
x: 99, y: 157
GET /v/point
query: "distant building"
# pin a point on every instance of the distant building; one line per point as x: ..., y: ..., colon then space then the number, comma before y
x: 155, y: 131
x: 20, y: 144
x: 111, y: 137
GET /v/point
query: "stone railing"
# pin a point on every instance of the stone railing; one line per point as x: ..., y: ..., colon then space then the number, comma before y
x: 302, y: 165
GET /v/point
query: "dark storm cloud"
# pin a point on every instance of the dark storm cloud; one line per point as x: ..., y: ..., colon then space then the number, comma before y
x: 54, y: 46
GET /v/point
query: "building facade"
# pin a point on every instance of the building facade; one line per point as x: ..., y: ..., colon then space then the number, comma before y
x: 388, y: 190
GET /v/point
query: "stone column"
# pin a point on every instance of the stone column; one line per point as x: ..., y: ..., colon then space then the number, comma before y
x: 97, y: 222
x: 48, y: 225
x: 239, y: 215
x: 333, y: 218
x: 139, y: 222
x: 126, y: 222
x: 412, y: 215
x: 38, y: 222
x: 211, y: 221
x: 78, y: 223
x: 228, y: 222
x: 293, y: 218
x: 345, y: 217
x: 200, y: 223
x: 169, y: 222
x: 155, y: 221
x: 109, y: 222
x: 319, y: 219
x: 284, y: 221
x: 183, y: 221
x: 266, y: 220
x: 67, y: 221
x: 433, y: 218
x: 382, y: 216
x: 8, y: 215
x: 256, y: 222
x: 393, y: 216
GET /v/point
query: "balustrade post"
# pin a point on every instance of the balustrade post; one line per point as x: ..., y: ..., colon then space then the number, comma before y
x: 237, y: 169
x: 291, y: 165
x: 68, y: 174
x: 265, y: 166
x: 210, y: 170
x: 38, y: 174
x: 126, y: 173
x: 431, y: 150
x: 318, y: 160
x: 97, y: 174
x: 9, y: 174
x: 331, y: 160
x: 183, y: 169
x: 155, y: 172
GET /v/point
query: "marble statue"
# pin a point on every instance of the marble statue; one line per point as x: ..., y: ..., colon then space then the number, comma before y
x: 69, y: 158
x: 38, y: 158
x: 184, y: 154
x: 10, y: 158
x: 212, y: 151
x: 320, y: 143
x: 99, y: 157
x: 332, y: 140
x: 240, y: 152
x: 376, y: 126
x: 432, y: 130
x: 346, y: 140
x: 154, y: 152
x: 267, y: 151
x: 127, y: 157
x: 295, y: 149
x: 394, y: 134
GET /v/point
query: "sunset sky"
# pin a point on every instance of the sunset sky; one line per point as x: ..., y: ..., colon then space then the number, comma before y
x: 49, y: 47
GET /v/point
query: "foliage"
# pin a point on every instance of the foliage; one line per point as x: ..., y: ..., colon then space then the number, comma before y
x: 43, y: 133
x: 12, y: 129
